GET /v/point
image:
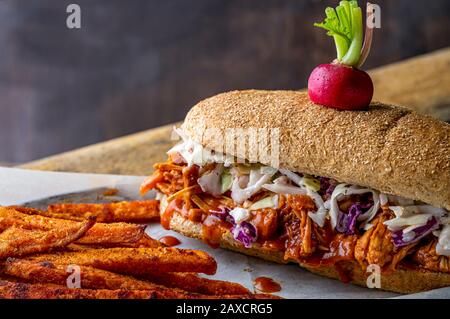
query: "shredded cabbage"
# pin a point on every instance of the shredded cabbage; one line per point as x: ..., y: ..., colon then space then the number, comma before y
x: 405, y: 211
x: 383, y: 199
x: 400, y: 201
x: 311, y: 183
x: 443, y: 245
x: 347, y: 222
x: 162, y: 201
x: 210, y: 182
x: 267, y: 202
x: 239, y: 214
x: 305, y: 182
x: 343, y: 190
x: 281, y: 186
x: 245, y: 233
x: 226, y: 181
x: 410, y: 217
x: 195, y: 153
x: 223, y: 213
x: 320, y: 215
x: 411, y: 221
x: 244, y: 187
x: 402, y: 222
x: 401, y: 238
x: 242, y: 231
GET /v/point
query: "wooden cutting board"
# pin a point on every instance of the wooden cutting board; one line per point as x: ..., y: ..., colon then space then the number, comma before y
x: 421, y: 83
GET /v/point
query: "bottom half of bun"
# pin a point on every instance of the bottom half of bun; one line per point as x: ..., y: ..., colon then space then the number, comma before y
x: 401, y: 281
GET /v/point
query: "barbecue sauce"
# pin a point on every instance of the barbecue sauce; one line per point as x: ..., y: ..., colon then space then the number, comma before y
x: 212, y: 230
x: 277, y: 245
x: 344, y: 275
x: 266, y: 285
x: 170, y: 241
x: 342, y: 248
x: 174, y: 206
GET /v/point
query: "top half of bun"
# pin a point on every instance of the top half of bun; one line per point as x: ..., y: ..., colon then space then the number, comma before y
x: 387, y: 148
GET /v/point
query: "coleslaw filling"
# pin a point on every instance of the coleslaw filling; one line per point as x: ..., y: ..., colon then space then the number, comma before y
x: 413, y: 220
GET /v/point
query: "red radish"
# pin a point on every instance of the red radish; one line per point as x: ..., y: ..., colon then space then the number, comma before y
x: 341, y: 84
x: 340, y: 87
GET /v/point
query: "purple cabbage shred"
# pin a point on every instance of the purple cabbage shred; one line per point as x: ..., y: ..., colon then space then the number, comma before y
x: 245, y: 233
x: 399, y: 240
x: 347, y: 222
x: 327, y: 186
x: 223, y: 213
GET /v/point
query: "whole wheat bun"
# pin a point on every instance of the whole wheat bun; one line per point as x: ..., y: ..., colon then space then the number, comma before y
x: 386, y: 148
x: 401, y: 281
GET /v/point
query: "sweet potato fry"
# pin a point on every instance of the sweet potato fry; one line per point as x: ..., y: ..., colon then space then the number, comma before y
x: 14, y: 290
x: 25, y: 210
x: 47, y: 272
x: 137, y: 261
x: 193, y: 283
x: 5, y: 277
x: 37, y: 212
x: 135, y: 211
x: 117, y: 260
x: 101, y: 233
x: 75, y: 247
x: 144, y: 242
x: 16, y: 242
x: 113, y: 234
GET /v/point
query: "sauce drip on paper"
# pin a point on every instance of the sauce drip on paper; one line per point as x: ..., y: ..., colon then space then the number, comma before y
x: 170, y: 241
x: 266, y: 284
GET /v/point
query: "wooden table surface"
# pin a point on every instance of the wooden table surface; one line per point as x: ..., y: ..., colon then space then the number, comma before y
x: 421, y: 83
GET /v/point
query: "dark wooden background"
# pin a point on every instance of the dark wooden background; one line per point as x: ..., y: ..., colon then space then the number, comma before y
x: 138, y: 64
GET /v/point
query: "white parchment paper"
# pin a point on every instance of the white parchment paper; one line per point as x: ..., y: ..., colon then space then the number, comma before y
x: 19, y: 186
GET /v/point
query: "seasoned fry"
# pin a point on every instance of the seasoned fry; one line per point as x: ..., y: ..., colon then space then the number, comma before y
x: 136, y: 211
x: 193, y: 283
x: 25, y: 210
x: 76, y: 247
x: 92, y: 278
x: 4, y: 277
x: 137, y: 261
x: 16, y: 242
x: 113, y: 234
x: 37, y: 212
x: 46, y: 272
x: 144, y: 242
x: 116, y: 260
x: 101, y: 233
x: 14, y: 290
